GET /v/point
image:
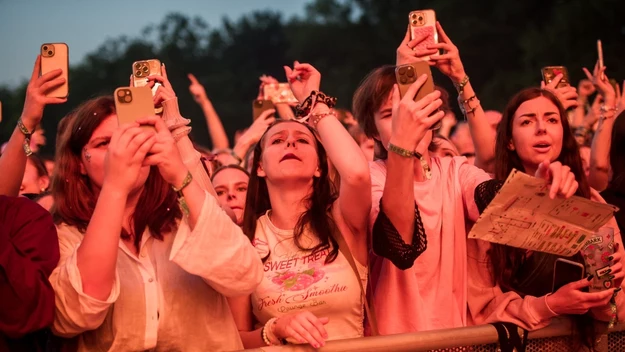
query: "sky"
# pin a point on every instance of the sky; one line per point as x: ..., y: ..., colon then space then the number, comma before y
x: 86, y: 24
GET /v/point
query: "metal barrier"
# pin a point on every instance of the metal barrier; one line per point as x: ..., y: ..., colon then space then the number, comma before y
x: 483, y: 338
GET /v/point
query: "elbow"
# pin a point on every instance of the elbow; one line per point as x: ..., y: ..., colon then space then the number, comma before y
x: 246, y: 282
x: 358, y: 176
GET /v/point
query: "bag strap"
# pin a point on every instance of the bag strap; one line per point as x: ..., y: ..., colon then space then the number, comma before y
x: 509, y: 339
x: 344, y: 249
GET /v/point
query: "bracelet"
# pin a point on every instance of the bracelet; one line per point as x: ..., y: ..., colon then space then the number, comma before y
x: 268, y: 335
x: 403, y: 152
x: 181, y: 201
x: 315, y: 118
x: 27, y: 134
x: 315, y: 96
x: 466, y: 102
x: 460, y: 86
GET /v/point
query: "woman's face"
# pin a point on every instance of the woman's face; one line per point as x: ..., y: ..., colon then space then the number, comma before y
x: 289, y: 154
x: 32, y: 183
x: 231, y: 187
x: 383, y: 123
x: 94, y: 153
x: 536, y: 133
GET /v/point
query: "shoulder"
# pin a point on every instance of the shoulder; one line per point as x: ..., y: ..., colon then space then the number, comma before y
x: 21, y: 210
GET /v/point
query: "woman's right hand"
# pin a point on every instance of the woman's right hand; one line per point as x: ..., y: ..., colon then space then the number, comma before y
x: 127, y: 149
x: 302, y: 326
x: 567, y: 94
x: 36, y: 99
x: 197, y: 90
x: 570, y: 299
x: 411, y: 120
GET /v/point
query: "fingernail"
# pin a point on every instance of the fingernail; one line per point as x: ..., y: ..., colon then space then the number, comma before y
x: 611, y: 277
x: 618, y: 289
x: 608, y: 271
x: 590, y: 277
x: 611, y: 258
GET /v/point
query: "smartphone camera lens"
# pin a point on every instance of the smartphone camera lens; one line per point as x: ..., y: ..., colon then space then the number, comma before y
x: 420, y: 18
x: 45, y: 47
x: 402, y: 71
x: 121, y: 93
x: 145, y: 69
x: 50, y: 52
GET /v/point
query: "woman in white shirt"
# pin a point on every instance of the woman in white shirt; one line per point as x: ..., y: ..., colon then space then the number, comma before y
x: 162, y: 285
x: 293, y: 215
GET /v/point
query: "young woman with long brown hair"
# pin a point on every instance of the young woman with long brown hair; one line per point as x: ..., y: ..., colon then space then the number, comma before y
x: 138, y: 271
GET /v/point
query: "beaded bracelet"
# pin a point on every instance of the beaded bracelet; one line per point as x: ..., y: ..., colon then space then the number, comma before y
x: 460, y: 86
x: 315, y: 118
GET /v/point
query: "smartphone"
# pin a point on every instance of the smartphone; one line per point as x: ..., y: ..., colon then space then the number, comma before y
x: 600, y: 55
x: 0, y: 111
x: 407, y: 74
x: 550, y: 72
x: 566, y: 271
x: 140, y: 72
x: 279, y: 93
x: 56, y: 56
x: 423, y: 22
x: 259, y: 106
x: 133, y: 103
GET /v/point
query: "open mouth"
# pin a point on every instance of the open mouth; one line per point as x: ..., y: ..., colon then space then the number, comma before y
x: 290, y: 156
x: 542, y: 147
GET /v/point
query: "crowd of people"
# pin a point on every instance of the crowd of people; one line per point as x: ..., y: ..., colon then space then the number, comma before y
x: 316, y: 224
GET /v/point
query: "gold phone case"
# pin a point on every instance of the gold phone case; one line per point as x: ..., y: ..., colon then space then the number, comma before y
x: 423, y: 22
x: 140, y: 72
x: 260, y: 106
x: 407, y: 74
x: 53, y: 57
x: 550, y: 72
x: 133, y: 103
x: 279, y: 93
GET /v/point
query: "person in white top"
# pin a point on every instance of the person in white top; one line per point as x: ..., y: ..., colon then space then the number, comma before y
x: 162, y: 286
x: 309, y: 293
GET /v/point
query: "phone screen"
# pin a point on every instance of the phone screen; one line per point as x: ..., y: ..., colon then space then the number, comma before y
x: 565, y: 272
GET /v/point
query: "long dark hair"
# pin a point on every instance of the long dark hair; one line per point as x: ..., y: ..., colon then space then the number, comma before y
x: 317, y: 218
x: 74, y: 194
x: 505, y: 260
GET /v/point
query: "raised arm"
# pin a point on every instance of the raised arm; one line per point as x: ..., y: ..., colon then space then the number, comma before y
x: 213, y: 122
x: 13, y: 160
x: 602, y: 140
x: 482, y: 132
x: 354, y: 201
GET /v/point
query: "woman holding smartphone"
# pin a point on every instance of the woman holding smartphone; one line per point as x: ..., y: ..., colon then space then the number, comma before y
x: 147, y: 255
x: 510, y: 284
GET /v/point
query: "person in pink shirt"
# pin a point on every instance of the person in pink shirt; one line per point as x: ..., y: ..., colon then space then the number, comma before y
x: 419, y: 268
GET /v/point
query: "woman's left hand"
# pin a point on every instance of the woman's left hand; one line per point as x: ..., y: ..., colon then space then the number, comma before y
x: 560, y: 177
x: 448, y: 63
x: 602, y: 83
x: 303, y: 79
x: 164, y: 91
x: 164, y: 154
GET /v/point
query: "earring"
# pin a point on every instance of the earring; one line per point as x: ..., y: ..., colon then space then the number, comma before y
x: 43, y: 189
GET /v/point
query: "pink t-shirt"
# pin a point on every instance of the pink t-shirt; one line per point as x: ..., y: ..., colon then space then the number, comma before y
x: 296, y: 280
x: 432, y: 294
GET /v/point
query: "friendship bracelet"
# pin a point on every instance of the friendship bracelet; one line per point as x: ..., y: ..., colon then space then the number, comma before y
x: 27, y: 134
x: 181, y: 200
x: 460, y: 86
x: 315, y: 118
x: 315, y: 96
x: 402, y: 152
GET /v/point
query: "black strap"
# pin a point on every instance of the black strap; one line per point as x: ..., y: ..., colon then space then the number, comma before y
x: 509, y: 339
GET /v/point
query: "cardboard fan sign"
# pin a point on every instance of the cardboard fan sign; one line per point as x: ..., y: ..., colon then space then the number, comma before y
x: 522, y: 215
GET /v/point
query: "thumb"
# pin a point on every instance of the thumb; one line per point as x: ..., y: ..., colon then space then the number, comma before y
x: 542, y: 84
x: 288, y: 71
x: 324, y: 320
x: 543, y: 170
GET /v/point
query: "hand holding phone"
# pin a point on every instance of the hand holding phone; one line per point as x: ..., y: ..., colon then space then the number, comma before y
x: 550, y: 72
x: 406, y: 75
x: 55, y: 56
x: 422, y: 24
x: 259, y: 106
x: 600, y: 56
x: 141, y: 70
x: 279, y: 93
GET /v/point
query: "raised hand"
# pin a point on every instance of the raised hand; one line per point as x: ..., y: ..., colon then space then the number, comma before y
x: 164, y: 154
x: 449, y: 62
x: 164, y: 91
x: 567, y: 95
x: 36, y: 99
x: 197, y: 90
x: 411, y: 120
x: 264, y: 80
x: 127, y: 149
x: 406, y: 52
x: 303, y: 79
x: 602, y: 83
x: 304, y: 327
x: 585, y: 88
x: 560, y: 177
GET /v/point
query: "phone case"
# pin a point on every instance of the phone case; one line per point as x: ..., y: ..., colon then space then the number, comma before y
x: 407, y: 74
x: 133, y: 103
x: 0, y: 111
x: 140, y: 72
x: 260, y: 106
x: 53, y: 57
x: 279, y: 93
x: 550, y: 72
x: 423, y: 22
